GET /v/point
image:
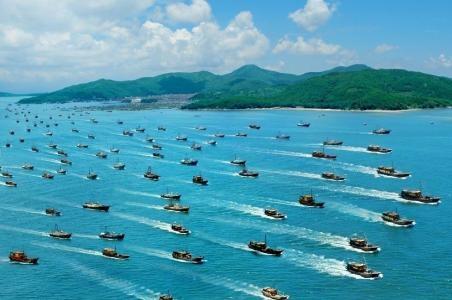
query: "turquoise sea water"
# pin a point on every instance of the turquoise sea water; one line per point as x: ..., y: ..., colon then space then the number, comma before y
x: 228, y: 212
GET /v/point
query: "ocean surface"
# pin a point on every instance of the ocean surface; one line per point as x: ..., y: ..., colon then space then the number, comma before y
x: 228, y: 213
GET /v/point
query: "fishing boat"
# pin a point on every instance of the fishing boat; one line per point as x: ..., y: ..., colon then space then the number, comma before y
x: 21, y: 258
x: 62, y: 152
x: 181, y: 138
x: 189, y: 162
x: 187, y: 256
x: 166, y: 297
x: 61, y: 171
x: 91, y: 175
x: 21, y: 140
x: 361, y: 269
x: 201, y: 128
x: 47, y: 175
x: 127, y: 133
x: 158, y: 155
x: 119, y: 166
x: 49, y: 133
x: 113, y: 236
x: 241, y: 134
x: 179, y: 229
x: 10, y: 183
x: 248, y: 173
x: 140, y: 129
x: 176, y: 207
x: 219, y: 135
x: 198, y: 179
x: 332, y: 176
x: 171, y: 195
x: 238, y: 162
x: 156, y: 147
x: 75, y: 130
x: 28, y: 166
x: 417, y: 196
x: 7, y: 145
x: 362, y: 244
x: 150, y: 175
x: 34, y: 149
x: 272, y: 293
x: 254, y: 126
x: 96, y: 206
x: 119, y: 122
x: 52, y: 146
x: 65, y: 161
x: 60, y: 234
x: 333, y: 143
x: 161, y: 128
x: 114, y: 150
x: 212, y: 142
x: 262, y: 247
x: 393, y: 217
x: 322, y: 154
x: 273, y: 213
x: 282, y: 136
x: 381, y: 131
x: 196, y: 147
x: 101, y: 154
x: 378, y: 149
x: 149, y: 139
x: 52, y: 212
x: 303, y: 124
x: 112, y: 253
x: 308, y: 200
x: 91, y: 136
x: 391, y: 172
x: 82, y: 146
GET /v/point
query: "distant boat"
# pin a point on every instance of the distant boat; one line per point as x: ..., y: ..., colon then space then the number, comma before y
x: 361, y: 269
x: 248, y: 173
x: 150, y: 175
x: 61, y: 171
x: 91, y: 175
x: 198, y: 179
x: 114, y: 150
x: 273, y: 213
x: 161, y: 128
x: 241, y: 134
x: 378, y: 149
x: 112, y: 253
x: 47, y: 175
x: 82, y: 146
x: 96, y: 206
x: 28, y: 167
x: 21, y: 258
x: 417, y: 196
x: 381, y: 131
x: 212, y: 142
x: 179, y: 229
x: 322, y: 154
x: 237, y: 161
x: 60, y: 234
x: 303, y: 124
x: 281, y: 136
x: 391, y: 172
x: 119, y: 166
x: 65, y: 161
x: 332, y: 176
x: 274, y: 294
x: 394, y: 218
x: 333, y: 143
x: 101, y: 154
x: 254, y: 126
x: 262, y: 247
x: 140, y: 129
x: 177, y: 208
x: 189, y: 162
x: 195, y: 146
x: 181, y: 138
x: 109, y: 235
x: 171, y: 195
x: 219, y: 135
x: 187, y: 256
x: 308, y: 200
x: 362, y: 244
x: 52, y: 212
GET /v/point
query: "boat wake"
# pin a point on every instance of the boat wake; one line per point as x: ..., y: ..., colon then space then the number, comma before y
x: 294, y: 173
x: 138, y: 193
x: 223, y: 242
x: 359, y: 191
x: 318, y: 263
x: 243, y: 208
x: 350, y: 148
x: 50, y: 160
x: 282, y: 153
x: 357, y: 168
x: 319, y: 237
x: 154, y: 252
x: 126, y: 287
x: 143, y: 220
x: 67, y: 248
x: 25, y: 210
x: 24, y: 230
x: 356, y: 211
x: 137, y: 204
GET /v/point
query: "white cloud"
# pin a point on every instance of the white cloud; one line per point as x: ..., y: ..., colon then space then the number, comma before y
x: 314, y: 14
x: 383, y: 48
x: 102, y: 41
x: 442, y: 61
x: 314, y: 46
x: 197, y: 11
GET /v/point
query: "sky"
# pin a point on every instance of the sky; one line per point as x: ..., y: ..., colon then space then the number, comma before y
x: 49, y: 44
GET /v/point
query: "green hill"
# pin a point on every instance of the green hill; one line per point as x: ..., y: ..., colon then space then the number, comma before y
x: 361, y: 89
x: 245, y: 78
